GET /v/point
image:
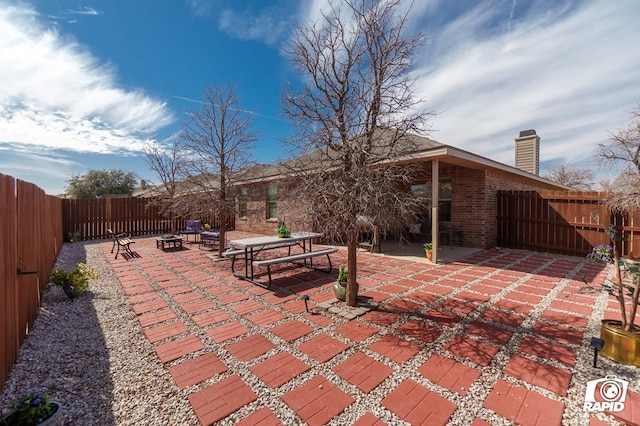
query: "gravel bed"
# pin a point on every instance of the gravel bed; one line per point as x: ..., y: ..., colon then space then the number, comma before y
x: 93, y: 356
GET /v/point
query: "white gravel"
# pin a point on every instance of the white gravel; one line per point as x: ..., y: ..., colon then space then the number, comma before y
x: 93, y: 357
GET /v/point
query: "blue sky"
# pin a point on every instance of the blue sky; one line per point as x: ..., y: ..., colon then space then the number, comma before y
x: 84, y: 83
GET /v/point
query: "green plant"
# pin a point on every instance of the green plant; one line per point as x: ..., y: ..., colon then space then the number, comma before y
x: 74, y: 282
x: 30, y: 408
x: 626, y: 283
x: 428, y: 246
x: 283, y: 231
x: 342, y: 275
x: 206, y: 227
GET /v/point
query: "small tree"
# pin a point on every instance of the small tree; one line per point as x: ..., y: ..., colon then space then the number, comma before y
x: 580, y: 178
x: 168, y: 162
x: 354, y: 114
x: 218, y: 139
x: 97, y: 183
x: 623, y: 148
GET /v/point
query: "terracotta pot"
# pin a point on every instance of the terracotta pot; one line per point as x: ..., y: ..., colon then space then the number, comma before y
x: 429, y: 255
x: 620, y: 346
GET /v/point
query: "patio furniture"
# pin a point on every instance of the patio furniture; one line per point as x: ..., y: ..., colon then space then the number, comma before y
x: 251, y: 248
x: 121, y: 240
x: 169, y: 241
x: 209, y: 239
x: 192, y: 228
x: 450, y: 233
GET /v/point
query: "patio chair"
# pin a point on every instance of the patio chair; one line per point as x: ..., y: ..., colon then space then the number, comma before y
x: 192, y: 228
x: 121, y: 241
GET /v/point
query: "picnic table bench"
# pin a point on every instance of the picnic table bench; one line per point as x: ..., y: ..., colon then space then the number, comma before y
x: 249, y: 249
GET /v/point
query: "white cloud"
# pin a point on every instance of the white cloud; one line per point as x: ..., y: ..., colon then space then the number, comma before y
x: 268, y: 26
x: 570, y: 74
x: 55, y: 94
x: 568, y: 69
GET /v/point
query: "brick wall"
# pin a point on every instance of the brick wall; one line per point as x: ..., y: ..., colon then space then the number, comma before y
x: 256, y: 219
x: 473, y: 204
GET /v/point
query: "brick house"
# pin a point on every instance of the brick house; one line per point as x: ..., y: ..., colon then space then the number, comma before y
x: 463, y: 187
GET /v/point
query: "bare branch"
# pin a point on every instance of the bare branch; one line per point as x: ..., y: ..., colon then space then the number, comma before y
x: 353, y: 113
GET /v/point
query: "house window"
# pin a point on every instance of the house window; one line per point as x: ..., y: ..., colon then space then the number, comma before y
x: 420, y: 189
x: 444, y: 198
x: 242, y: 203
x: 272, y: 202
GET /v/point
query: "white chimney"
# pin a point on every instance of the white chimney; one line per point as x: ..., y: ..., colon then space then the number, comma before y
x: 528, y: 151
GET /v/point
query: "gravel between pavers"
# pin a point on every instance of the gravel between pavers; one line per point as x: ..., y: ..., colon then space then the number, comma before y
x: 93, y: 356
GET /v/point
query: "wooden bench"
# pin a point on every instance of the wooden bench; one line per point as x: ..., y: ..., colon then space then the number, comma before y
x: 232, y: 254
x: 295, y: 257
x: 121, y: 241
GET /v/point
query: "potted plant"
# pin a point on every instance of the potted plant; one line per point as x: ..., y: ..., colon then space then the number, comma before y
x: 621, y: 337
x: 73, y: 236
x: 340, y: 286
x: 283, y: 231
x: 428, y: 247
x: 206, y: 227
x: 74, y: 283
x: 34, y: 408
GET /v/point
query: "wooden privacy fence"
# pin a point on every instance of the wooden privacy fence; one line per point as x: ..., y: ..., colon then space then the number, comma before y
x: 565, y: 222
x: 90, y: 218
x: 31, y: 236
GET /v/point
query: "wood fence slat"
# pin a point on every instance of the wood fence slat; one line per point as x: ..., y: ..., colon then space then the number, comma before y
x: 569, y: 222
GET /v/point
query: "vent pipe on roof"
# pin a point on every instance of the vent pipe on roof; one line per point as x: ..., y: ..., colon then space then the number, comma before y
x: 528, y: 152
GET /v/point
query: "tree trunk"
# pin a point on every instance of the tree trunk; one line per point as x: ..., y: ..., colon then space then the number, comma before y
x: 616, y: 265
x: 352, y: 286
x: 223, y: 236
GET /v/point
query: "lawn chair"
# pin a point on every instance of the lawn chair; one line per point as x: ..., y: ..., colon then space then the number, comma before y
x: 192, y: 228
x: 121, y: 241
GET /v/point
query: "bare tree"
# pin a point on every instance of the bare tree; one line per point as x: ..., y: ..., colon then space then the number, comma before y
x: 623, y: 149
x: 167, y: 161
x: 354, y: 114
x: 218, y: 139
x: 580, y: 178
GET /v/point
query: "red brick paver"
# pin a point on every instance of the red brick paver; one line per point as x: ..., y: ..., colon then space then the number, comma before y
x: 250, y: 347
x: 262, y: 417
x: 175, y: 349
x: 279, y: 369
x: 197, y: 370
x: 523, y: 406
x: 317, y: 401
x: 228, y: 331
x: 449, y: 373
x: 356, y: 330
x: 292, y: 330
x: 395, y: 348
x: 217, y: 401
x: 363, y: 371
x: 165, y: 331
x: 322, y: 348
x: 418, y: 405
x: 546, y: 376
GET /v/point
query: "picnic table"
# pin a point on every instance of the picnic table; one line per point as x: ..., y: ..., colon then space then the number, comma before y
x: 253, y: 249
